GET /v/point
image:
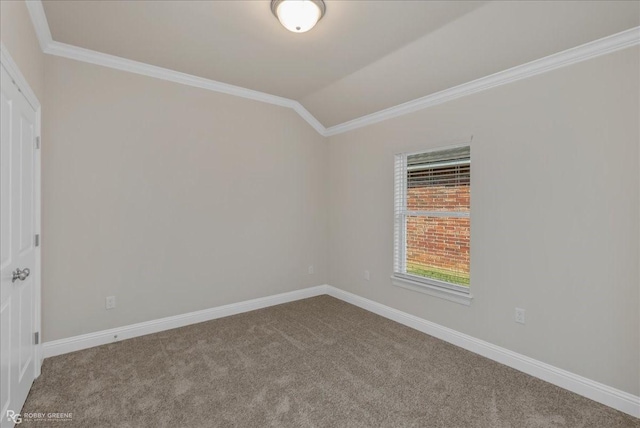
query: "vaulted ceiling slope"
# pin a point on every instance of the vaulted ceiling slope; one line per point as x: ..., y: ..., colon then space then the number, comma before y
x: 363, y: 57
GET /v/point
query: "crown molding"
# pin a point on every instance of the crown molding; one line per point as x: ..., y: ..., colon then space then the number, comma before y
x: 580, y: 53
x: 51, y: 47
x: 98, y: 58
x: 40, y: 24
x: 311, y: 120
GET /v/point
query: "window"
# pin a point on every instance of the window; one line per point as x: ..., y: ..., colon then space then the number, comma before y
x: 432, y: 224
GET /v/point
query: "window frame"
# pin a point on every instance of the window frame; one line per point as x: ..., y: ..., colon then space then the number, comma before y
x: 443, y: 289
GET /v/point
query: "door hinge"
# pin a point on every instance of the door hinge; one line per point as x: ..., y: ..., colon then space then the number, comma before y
x: 37, y: 337
x: 37, y: 142
x: 37, y: 240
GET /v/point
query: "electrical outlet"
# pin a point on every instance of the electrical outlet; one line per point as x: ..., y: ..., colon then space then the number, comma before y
x: 111, y: 302
x: 310, y: 269
x: 520, y: 315
x: 366, y: 275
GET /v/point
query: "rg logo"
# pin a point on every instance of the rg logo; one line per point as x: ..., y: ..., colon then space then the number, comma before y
x: 16, y: 418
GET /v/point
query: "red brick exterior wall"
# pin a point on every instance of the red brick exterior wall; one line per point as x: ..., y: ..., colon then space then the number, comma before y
x: 438, y: 242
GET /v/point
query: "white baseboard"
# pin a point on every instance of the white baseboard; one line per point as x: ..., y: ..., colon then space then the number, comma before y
x: 77, y: 343
x: 595, y: 391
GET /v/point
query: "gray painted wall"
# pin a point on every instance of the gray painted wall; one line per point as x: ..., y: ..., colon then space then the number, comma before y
x: 171, y: 198
x: 554, y: 215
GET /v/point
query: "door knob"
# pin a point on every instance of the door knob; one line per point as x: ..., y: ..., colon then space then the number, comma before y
x: 20, y: 274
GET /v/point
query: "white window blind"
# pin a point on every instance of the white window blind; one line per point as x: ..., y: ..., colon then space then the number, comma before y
x: 431, y: 215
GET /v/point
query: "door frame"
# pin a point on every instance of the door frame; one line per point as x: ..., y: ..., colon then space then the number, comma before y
x: 12, y: 68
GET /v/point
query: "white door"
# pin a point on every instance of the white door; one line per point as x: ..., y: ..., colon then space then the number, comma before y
x: 17, y: 255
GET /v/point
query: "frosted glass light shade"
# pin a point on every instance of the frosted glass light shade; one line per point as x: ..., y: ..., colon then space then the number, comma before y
x: 298, y: 16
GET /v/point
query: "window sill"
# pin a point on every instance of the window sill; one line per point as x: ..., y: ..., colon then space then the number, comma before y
x: 433, y: 290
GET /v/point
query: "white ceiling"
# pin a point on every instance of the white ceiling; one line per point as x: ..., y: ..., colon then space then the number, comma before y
x: 362, y: 57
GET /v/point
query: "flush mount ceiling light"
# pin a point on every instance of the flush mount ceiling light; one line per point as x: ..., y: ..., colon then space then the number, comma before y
x: 298, y: 16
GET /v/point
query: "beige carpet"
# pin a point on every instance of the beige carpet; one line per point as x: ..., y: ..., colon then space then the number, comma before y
x: 318, y: 362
